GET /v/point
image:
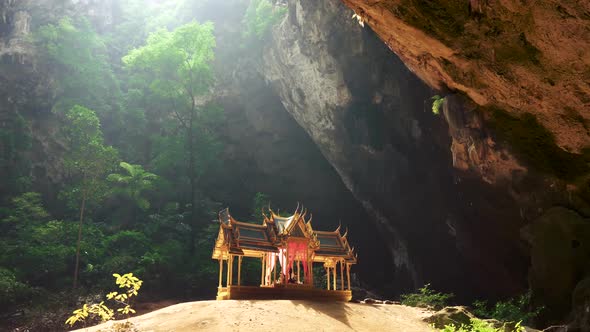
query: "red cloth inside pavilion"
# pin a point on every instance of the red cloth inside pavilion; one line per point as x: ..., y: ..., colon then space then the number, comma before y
x: 296, y: 250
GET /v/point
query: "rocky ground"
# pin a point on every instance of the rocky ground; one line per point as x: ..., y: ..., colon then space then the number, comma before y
x: 276, y: 315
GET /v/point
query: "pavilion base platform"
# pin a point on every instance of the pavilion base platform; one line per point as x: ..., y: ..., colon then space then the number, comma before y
x: 281, y: 293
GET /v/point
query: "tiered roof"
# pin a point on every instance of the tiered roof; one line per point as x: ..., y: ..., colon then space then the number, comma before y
x: 241, y: 238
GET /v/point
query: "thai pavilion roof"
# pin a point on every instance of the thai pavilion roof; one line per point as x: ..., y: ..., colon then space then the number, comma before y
x: 241, y: 238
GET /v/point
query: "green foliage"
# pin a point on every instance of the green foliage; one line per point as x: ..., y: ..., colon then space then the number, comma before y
x: 78, y: 59
x: 12, y: 291
x: 478, y: 325
x: 175, y: 68
x: 426, y: 298
x: 87, y: 160
x: 27, y: 208
x: 134, y: 183
x: 94, y: 310
x: 154, y: 125
x: 15, y: 142
x: 261, y: 16
x: 88, y: 156
x: 131, y: 285
x: 437, y: 102
x: 536, y: 146
x: 39, y: 249
x: 176, y: 64
x: 132, y: 243
x: 320, y: 277
x: 512, y: 310
x: 260, y: 202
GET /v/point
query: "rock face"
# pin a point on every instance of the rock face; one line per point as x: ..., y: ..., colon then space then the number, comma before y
x: 446, y: 199
x: 524, y: 59
x: 30, y: 139
x: 457, y: 316
x: 560, y: 254
x: 371, y: 118
x: 313, y: 88
x: 473, y: 150
x: 523, y: 72
x: 581, y: 306
x: 24, y: 92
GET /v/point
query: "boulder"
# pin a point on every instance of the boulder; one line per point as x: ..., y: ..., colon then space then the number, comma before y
x: 371, y: 301
x: 450, y: 315
x: 557, y: 328
x: 581, y: 306
x: 560, y: 253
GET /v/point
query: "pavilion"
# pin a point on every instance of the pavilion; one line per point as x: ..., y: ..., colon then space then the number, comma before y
x: 287, y: 247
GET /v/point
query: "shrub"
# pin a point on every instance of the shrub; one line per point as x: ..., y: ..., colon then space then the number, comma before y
x: 131, y: 285
x: 478, y: 325
x: 426, y: 298
x: 512, y: 310
x: 11, y: 290
x: 437, y: 102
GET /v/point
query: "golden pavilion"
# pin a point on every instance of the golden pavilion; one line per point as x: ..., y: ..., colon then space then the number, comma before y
x: 289, y: 250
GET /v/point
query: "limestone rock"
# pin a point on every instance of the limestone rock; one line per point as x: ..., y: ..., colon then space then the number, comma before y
x: 581, y: 306
x: 450, y: 315
x: 559, y: 256
x: 371, y: 301
x: 370, y: 117
x: 557, y: 328
x: 497, y: 52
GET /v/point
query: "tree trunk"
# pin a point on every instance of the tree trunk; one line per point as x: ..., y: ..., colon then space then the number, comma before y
x: 192, y: 178
x: 79, y: 238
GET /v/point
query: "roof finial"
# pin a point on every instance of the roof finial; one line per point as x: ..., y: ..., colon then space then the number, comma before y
x: 345, y: 233
x: 263, y: 214
x: 303, y: 213
x: 338, y: 229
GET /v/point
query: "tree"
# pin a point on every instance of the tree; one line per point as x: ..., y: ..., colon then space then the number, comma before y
x: 260, y: 16
x: 88, y: 159
x: 134, y: 183
x: 259, y: 203
x: 76, y: 57
x: 177, y: 67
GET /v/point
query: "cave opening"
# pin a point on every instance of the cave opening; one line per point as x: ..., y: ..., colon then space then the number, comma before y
x: 139, y: 121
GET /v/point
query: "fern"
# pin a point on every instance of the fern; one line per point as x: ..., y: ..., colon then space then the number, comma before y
x: 426, y: 297
x: 437, y: 102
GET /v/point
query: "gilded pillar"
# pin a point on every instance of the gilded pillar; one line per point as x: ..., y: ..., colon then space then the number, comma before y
x: 239, y: 270
x: 220, y: 271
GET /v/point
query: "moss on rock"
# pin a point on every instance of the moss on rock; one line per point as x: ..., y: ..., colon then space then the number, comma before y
x: 443, y: 20
x: 535, y: 145
x: 450, y: 315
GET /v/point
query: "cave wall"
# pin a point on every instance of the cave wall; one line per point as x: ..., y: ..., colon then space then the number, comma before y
x: 266, y: 151
x: 370, y: 117
x: 516, y: 79
x: 324, y: 113
x: 522, y: 56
